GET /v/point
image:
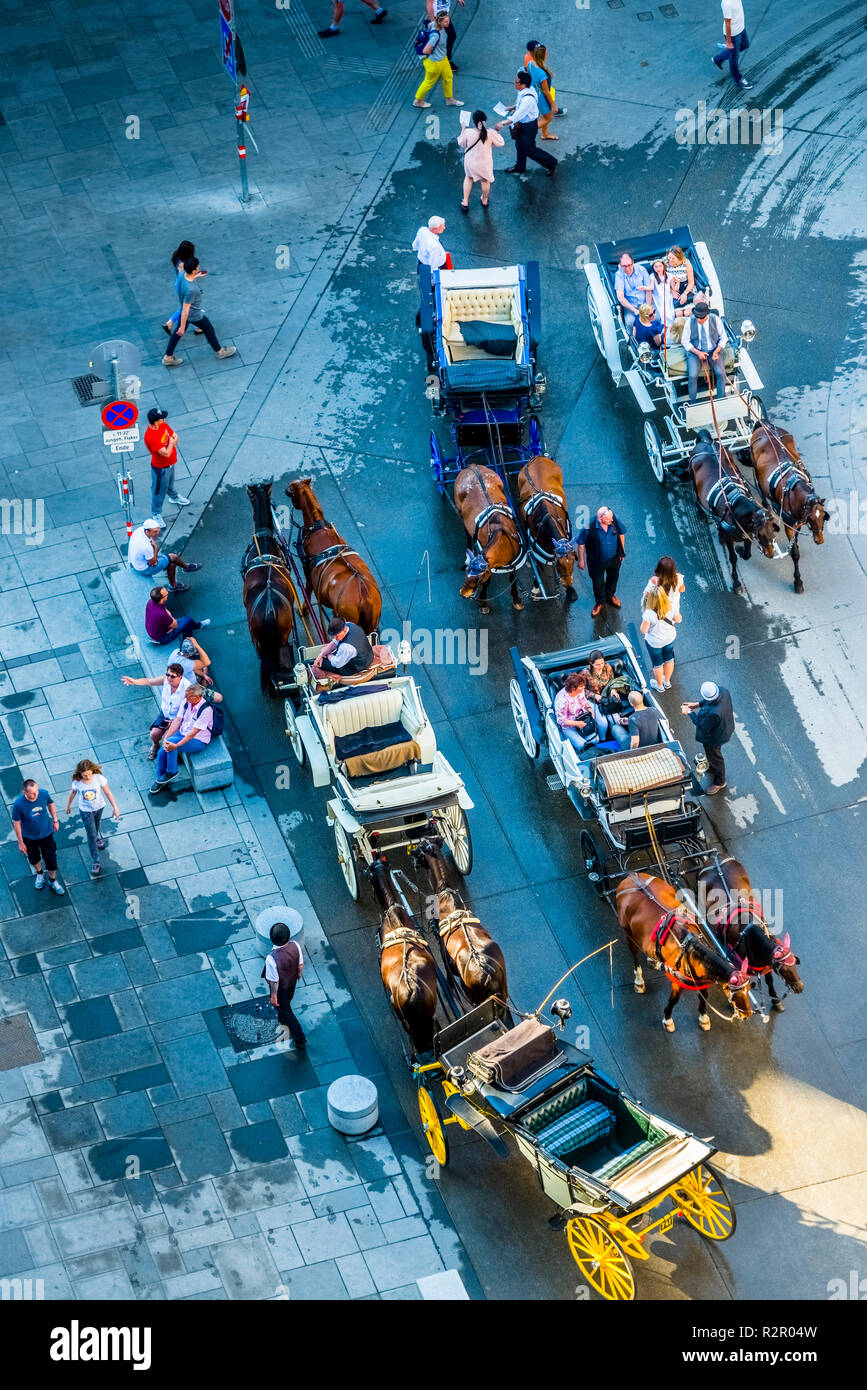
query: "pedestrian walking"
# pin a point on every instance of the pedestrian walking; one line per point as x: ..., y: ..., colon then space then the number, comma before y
x: 190, y: 729
x: 180, y: 254
x: 145, y: 557
x: 714, y: 725
x: 34, y: 820
x: 337, y: 14
x: 436, y: 64
x: 659, y: 635
x: 162, y: 443
x: 529, y: 57
x: 160, y: 626
x: 736, y: 41
x: 543, y: 86
x: 601, y: 547
x: 478, y: 144
x: 284, y: 966
x: 435, y: 7
x: 524, y: 123
x: 92, y: 790
x: 190, y: 291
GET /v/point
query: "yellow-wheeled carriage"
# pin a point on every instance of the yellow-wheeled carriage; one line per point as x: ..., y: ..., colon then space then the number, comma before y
x: 608, y: 1163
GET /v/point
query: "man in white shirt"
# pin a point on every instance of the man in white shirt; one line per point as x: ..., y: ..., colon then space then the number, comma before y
x: 736, y: 41
x: 284, y: 966
x: 145, y: 557
x: 524, y: 121
x: 174, y: 688
x: 429, y: 249
x: 704, y: 338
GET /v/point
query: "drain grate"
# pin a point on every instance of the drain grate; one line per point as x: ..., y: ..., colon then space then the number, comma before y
x: 18, y: 1046
x: 251, y: 1024
x: 90, y: 389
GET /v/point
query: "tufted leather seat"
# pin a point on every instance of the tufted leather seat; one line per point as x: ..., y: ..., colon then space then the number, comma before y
x: 363, y: 712
x: 497, y: 304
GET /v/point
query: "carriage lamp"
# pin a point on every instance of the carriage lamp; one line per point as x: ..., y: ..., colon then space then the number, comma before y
x: 540, y: 381
x: 644, y: 353
x: 404, y: 652
x: 748, y: 331
x: 562, y: 1010
x: 701, y: 764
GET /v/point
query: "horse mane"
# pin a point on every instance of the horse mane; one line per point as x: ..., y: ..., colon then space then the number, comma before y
x: 714, y: 961
x: 454, y: 895
x: 397, y: 916
x: 756, y: 945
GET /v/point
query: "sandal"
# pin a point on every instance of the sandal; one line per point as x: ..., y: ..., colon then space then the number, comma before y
x: 465, y: 207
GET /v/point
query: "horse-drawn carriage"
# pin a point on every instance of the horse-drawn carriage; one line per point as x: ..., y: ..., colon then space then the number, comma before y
x: 658, y: 378
x: 605, y: 1160
x: 644, y: 846
x: 481, y: 330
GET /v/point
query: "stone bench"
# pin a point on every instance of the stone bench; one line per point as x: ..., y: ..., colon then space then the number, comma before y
x: 212, y: 768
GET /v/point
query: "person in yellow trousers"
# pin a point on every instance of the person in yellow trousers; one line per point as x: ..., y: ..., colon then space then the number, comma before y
x: 436, y: 64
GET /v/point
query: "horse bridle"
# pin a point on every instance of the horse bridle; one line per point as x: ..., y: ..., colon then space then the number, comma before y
x: 757, y: 919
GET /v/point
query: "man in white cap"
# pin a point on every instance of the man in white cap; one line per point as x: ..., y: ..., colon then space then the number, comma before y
x: 429, y: 249
x: 146, y: 558
x: 714, y: 725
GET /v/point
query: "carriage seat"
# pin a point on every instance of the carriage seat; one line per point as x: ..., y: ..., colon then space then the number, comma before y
x: 497, y: 304
x: 676, y: 359
x: 518, y: 1057
x: 371, y: 731
x: 556, y: 678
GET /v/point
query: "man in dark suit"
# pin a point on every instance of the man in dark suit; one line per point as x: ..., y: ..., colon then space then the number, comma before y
x: 714, y: 722
x: 601, y: 549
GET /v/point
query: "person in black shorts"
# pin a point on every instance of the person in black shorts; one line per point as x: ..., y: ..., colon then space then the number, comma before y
x: 34, y: 820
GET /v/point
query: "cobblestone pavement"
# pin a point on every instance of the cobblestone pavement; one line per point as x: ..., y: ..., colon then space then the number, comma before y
x: 241, y: 1189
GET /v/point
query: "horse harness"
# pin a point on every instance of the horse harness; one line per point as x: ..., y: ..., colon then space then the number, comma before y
x: 459, y: 920
x: 755, y: 918
x: 658, y: 938
x: 785, y: 476
x: 475, y: 552
x: 536, y: 548
x: 408, y: 938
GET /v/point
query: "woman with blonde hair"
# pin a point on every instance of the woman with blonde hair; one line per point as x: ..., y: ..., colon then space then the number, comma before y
x: 436, y: 63
x: 681, y: 275
x: 659, y: 633
x: 93, y: 791
x: 543, y: 85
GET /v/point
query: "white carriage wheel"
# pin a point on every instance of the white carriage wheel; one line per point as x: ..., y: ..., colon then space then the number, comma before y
x: 595, y: 322
x: 653, y: 445
x: 455, y: 830
x: 522, y: 722
x: 292, y: 731
x: 346, y: 859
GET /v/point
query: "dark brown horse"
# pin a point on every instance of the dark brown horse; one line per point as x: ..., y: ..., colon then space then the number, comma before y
x: 787, y: 487
x: 471, y: 951
x: 270, y: 597
x: 723, y: 495
x: 495, y: 542
x: 650, y: 912
x: 406, y: 964
x: 337, y: 574
x: 546, y: 513
x: 736, y: 917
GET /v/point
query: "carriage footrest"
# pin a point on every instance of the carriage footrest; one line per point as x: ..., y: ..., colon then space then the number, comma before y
x: 624, y: 1160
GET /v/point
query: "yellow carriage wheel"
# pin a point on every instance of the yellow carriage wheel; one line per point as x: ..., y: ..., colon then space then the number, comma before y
x: 600, y: 1259
x: 705, y: 1204
x: 433, y: 1127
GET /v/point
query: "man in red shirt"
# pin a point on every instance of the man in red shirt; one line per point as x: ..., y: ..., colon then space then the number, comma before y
x: 162, y: 442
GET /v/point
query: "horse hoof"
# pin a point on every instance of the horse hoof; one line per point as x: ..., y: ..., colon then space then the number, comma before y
x: 737, y: 588
x: 799, y: 587
x: 703, y: 1022
x: 668, y: 1025
x: 639, y: 989
x: 518, y: 607
x: 778, y: 1007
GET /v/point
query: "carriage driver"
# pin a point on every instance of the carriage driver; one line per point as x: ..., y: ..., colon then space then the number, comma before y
x: 349, y: 653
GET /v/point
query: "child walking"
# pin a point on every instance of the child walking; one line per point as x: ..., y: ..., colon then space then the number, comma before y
x: 92, y: 790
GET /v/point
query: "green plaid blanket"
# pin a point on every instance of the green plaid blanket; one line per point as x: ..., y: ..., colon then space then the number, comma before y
x: 590, y: 1121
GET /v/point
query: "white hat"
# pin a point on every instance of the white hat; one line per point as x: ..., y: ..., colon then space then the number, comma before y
x: 150, y: 524
x: 433, y: 222
x: 709, y: 691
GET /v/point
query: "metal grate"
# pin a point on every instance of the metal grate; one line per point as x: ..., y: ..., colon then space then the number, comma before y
x: 670, y: 11
x: 90, y: 389
x: 251, y: 1024
x: 18, y: 1046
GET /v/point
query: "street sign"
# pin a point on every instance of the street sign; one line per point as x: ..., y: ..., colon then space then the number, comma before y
x: 130, y: 436
x: 119, y: 415
x: 227, y: 47
x: 122, y: 448
x: 226, y: 9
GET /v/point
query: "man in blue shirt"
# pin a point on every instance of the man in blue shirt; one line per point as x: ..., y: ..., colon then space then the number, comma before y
x: 602, y: 548
x: 34, y: 819
x: 633, y: 285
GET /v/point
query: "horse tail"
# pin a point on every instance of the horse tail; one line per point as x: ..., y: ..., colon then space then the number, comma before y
x: 416, y: 1014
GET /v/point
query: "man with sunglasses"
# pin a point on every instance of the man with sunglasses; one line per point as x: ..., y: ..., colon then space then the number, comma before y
x: 633, y: 285
x: 174, y: 689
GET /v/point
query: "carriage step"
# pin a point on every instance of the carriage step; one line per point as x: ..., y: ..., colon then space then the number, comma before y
x: 554, y: 783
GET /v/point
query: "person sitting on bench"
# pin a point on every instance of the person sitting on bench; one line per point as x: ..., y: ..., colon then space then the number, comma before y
x: 349, y: 652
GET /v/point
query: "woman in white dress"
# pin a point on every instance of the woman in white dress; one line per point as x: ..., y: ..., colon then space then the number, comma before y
x: 666, y: 307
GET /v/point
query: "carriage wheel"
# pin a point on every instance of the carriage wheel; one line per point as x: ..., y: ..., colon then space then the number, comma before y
x: 704, y: 1203
x: 292, y: 731
x: 536, y: 437
x: 595, y: 322
x: 756, y: 406
x: 600, y: 1259
x: 434, y: 1130
x: 346, y: 859
x: 593, y: 863
x: 455, y: 830
x: 436, y: 464
x: 653, y: 445
x: 522, y: 722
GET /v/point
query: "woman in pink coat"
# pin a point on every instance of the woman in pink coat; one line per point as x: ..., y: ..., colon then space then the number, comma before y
x: 477, y: 143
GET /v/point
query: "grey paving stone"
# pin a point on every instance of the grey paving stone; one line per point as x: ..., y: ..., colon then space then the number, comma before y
x: 286, y: 1214
x: 113, y: 1056
x: 52, y: 1195
x: 41, y: 1243
x: 172, y: 1112
x: 173, y: 998
x: 21, y: 1136
x: 283, y: 1248
x: 324, y: 1162
x: 325, y: 1238
x: 226, y: 1109
x: 79, y: 1235
x: 71, y: 1129
x: 269, y: 1077
x: 204, y: 1236
x: 30, y: 993
x: 14, y: 1253
x: 344, y: 1199
x: 355, y: 1275
x: 127, y: 1114
x: 192, y: 1206
x: 115, y: 1285
x: 257, y: 1143
x: 246, y: 1268
x: 258, y: 1188
x: 40, y: 932
x: 199, y: 1148
x: 74, y: 1172
x: 94, y: 1018
x: 316, y: 1282
x: 129, y: 1156
x: 288, y: 1114
x: 365, y: 1228
x: 394, y: 1265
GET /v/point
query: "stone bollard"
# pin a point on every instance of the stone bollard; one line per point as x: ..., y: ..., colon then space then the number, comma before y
x: 266, y: 919
x: 353, y: 1105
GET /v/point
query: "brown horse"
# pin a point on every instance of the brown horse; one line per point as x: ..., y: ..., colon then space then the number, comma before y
x: 406, y: 964
x: 736, y: 917
x: 650, y: 912
x: 495, y: 542
x: 337, y: 574
x: 546, y: 513
x: 722, y: 494
x: 471, y: 952
x: 786, y: 486
x: 270, y: 597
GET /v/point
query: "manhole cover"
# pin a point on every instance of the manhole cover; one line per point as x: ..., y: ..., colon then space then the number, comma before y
x: 252, y: 1024
x: 18, y: 1045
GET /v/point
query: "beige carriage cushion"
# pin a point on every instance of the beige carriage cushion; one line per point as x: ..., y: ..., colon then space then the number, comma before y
x: 676, y: 359
x: 658, y: 767
x: 363, y: 712
x: 383, y: 759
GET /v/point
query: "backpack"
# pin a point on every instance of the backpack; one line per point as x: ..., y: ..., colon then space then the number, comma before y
x: 218, y: 719
x: 422, y: 39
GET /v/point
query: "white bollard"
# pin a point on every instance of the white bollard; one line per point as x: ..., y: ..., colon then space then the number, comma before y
x: 353, y: 1104
x: 266, y: 920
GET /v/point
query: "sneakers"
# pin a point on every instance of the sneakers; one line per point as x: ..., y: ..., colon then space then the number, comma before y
x: 227, y: 352
x: 329, y: 33
x: 161, y: 783
x: 179, y: 588
x: 101, y: 842
x: 39, y: 882
x: 660, y: 689
x: 453, y: 101
x: 666, y: 685
x: 56, y: 887
x: 204, y: 622
x: 422, y: 105
x: 178, y: 500
x: 158, y: 518
x: 513, y: 169
x: 378, y: 18
x: 172, y: 361
x: 745, y: 86
x: 191, y: 569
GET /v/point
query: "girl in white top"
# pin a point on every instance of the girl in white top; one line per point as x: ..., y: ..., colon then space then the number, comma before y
x: 659, y: 634
x: 92, y: 790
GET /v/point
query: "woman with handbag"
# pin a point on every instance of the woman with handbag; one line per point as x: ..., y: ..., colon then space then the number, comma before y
x: 478, y: 143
